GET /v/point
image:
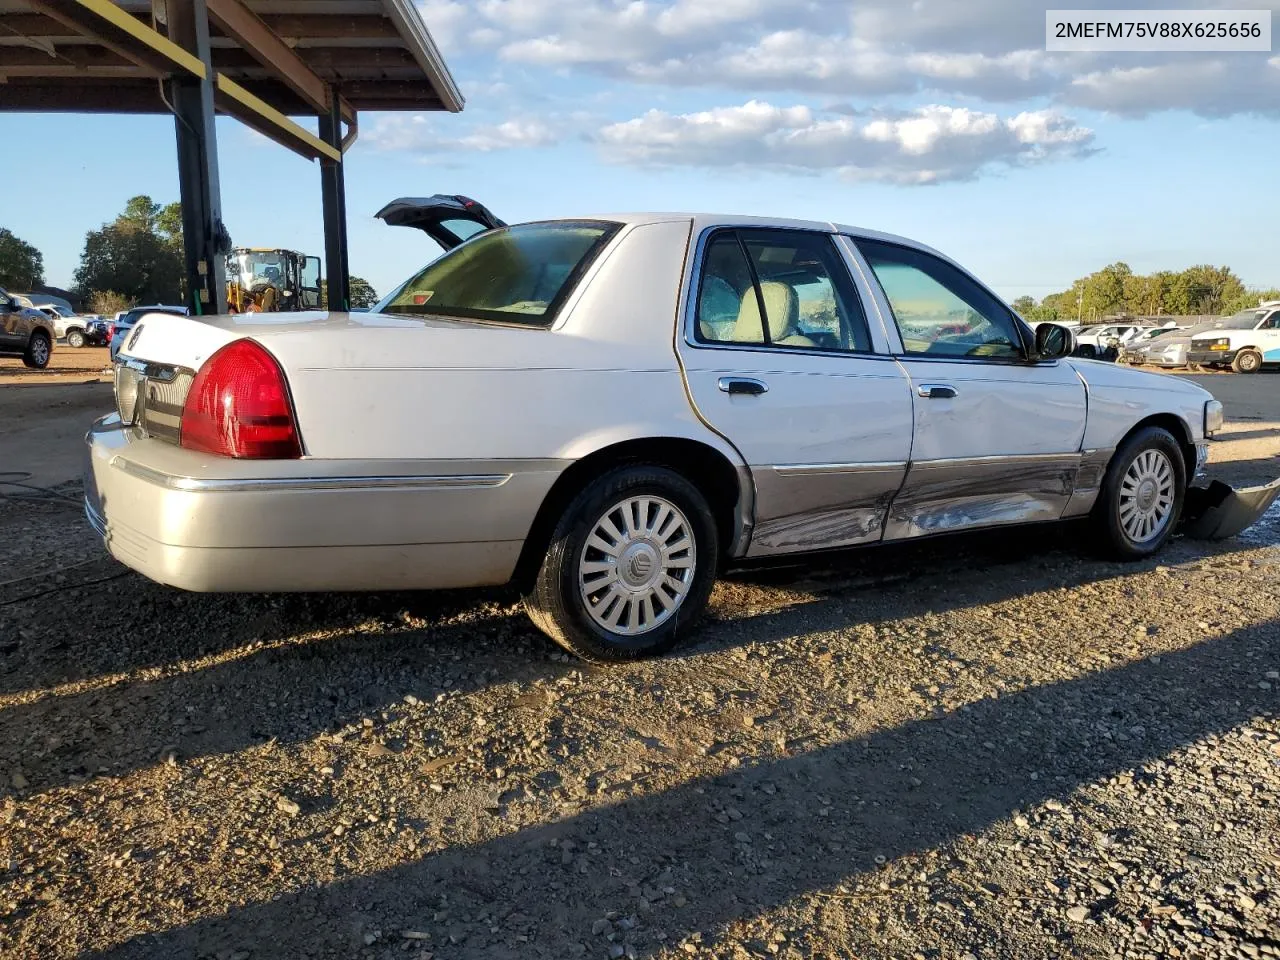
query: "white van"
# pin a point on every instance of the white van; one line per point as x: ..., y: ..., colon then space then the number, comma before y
x: 1244, y: 342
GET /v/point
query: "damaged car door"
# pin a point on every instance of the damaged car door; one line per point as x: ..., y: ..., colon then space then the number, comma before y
x: 997, y: 435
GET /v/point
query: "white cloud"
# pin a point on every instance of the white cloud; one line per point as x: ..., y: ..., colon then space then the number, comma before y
x: 1209, y: 86
x: 422, y: 133
x: 989, y: 49
x: 928, y: 145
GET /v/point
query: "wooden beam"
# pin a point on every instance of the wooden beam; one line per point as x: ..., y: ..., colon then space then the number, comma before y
x: 318, y: 26
x: 84, y: 57
x: 270, y: 122
x: 264, y: 45
x: 81, y: 96
x: 122, y: 33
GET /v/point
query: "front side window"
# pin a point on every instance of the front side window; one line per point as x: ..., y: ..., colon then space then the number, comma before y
x: 778, y: 289
x: 1273, y: 321
x: 515, y: 274
x: 939, y: 310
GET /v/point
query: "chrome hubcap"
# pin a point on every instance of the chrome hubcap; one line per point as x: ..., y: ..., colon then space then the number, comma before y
x: 1146, y: 496
x: 39, y: 350
x: 637, y: 565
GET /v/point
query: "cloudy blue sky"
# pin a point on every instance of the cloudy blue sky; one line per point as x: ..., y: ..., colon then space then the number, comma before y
x: 943, y: 120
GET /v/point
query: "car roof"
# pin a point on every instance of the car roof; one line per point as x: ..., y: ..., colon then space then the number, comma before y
x: 704, y: 221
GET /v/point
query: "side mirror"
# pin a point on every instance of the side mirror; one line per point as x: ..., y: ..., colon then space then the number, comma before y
x: 1053, y: 341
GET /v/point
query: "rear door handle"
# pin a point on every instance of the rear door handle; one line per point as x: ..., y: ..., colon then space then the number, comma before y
x: 742, y: 385
x: 936, y: 391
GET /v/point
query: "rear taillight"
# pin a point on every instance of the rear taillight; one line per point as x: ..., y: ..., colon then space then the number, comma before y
x: 238, y: 406
x: 111, y: 330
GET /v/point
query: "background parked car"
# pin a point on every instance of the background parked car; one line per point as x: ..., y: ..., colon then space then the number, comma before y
x: 97, y: 332
x: 124, y: 322
x: 1099, y: 339
x: 24, y: 332
x: 1138, y: 348
x: 67, y: 324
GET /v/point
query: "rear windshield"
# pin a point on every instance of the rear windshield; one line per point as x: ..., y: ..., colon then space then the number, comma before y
x: 518, y: 274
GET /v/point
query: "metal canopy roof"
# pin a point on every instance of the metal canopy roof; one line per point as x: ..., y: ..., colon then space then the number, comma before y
x: 262, y: 61
x: 84, y: 56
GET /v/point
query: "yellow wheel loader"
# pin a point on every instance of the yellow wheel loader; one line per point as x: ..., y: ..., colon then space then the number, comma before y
x: 262, y: 280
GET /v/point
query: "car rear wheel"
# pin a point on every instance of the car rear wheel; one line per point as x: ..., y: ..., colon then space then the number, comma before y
x: 629, y: 568
x: 1141, y: 497
x: 39, y: 349
x: 1247, y: 361
x: 75, y: 338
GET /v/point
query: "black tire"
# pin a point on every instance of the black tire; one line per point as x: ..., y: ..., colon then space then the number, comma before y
x: 1110, y: 535
x: 75, y: 338
x: 1087, y: 350
x: 1247, y: 361
x: 39, y: 350
x: 555, y: 602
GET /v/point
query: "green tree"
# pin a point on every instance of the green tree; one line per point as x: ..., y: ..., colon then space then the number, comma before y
x: 107, y: 303
x: 1250, y: 298
x: 1104, y: 291
x: 362, y: 293
x: 21, y: 264
x: 132, y: 257
x: 1024, y: 305
x: 168, y: 224
x: 1215, y: 287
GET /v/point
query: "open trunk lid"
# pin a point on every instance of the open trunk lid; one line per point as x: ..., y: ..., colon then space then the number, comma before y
x: 447, y: 219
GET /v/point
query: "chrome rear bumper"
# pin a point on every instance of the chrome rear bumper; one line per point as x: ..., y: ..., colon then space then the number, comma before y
x: 215, y: 524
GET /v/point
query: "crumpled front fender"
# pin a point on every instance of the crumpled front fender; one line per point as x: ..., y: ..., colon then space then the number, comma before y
x: 1219, y: 510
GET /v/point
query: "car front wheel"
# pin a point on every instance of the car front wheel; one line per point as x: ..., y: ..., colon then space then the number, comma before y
x: 39, y: 349
x: 629, y: 568
x: 1141, y: 497
x: 1247, y: 361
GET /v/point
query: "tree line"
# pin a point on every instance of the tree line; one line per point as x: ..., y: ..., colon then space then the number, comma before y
x: 135, y: 258
x: 1116, y: 290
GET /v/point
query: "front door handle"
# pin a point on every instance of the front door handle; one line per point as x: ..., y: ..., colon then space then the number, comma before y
x: 742, y: 385
x: 936, y: 391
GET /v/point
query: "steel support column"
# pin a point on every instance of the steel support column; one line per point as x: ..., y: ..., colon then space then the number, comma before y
x: 333, y: 196
x: 205, y: 240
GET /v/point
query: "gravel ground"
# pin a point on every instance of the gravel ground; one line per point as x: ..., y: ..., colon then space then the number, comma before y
x: 992, y: 746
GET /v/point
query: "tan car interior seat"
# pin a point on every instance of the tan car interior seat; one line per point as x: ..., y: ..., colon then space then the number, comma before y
x: 782, y: 307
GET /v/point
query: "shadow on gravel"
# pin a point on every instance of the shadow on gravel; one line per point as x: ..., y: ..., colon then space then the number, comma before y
x: 900, y: 790
x: 378, y: 649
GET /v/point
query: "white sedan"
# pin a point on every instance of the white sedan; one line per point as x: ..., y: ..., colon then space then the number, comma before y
x: 608, y: 410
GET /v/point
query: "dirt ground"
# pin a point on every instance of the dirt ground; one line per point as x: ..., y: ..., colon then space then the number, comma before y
x: 979, y: 747
x: 68, y: 365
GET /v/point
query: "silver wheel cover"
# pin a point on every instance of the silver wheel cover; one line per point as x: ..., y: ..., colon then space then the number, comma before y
x: 40, y: 350
x: 637, y: 565
x: 1146, y: 496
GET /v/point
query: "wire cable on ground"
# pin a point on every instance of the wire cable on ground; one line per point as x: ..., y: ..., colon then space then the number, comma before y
x: 17, y: 478
x: 62, y: 587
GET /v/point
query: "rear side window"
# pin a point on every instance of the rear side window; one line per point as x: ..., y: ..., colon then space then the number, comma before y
x: 778, y: 288
x: 518, y: 274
